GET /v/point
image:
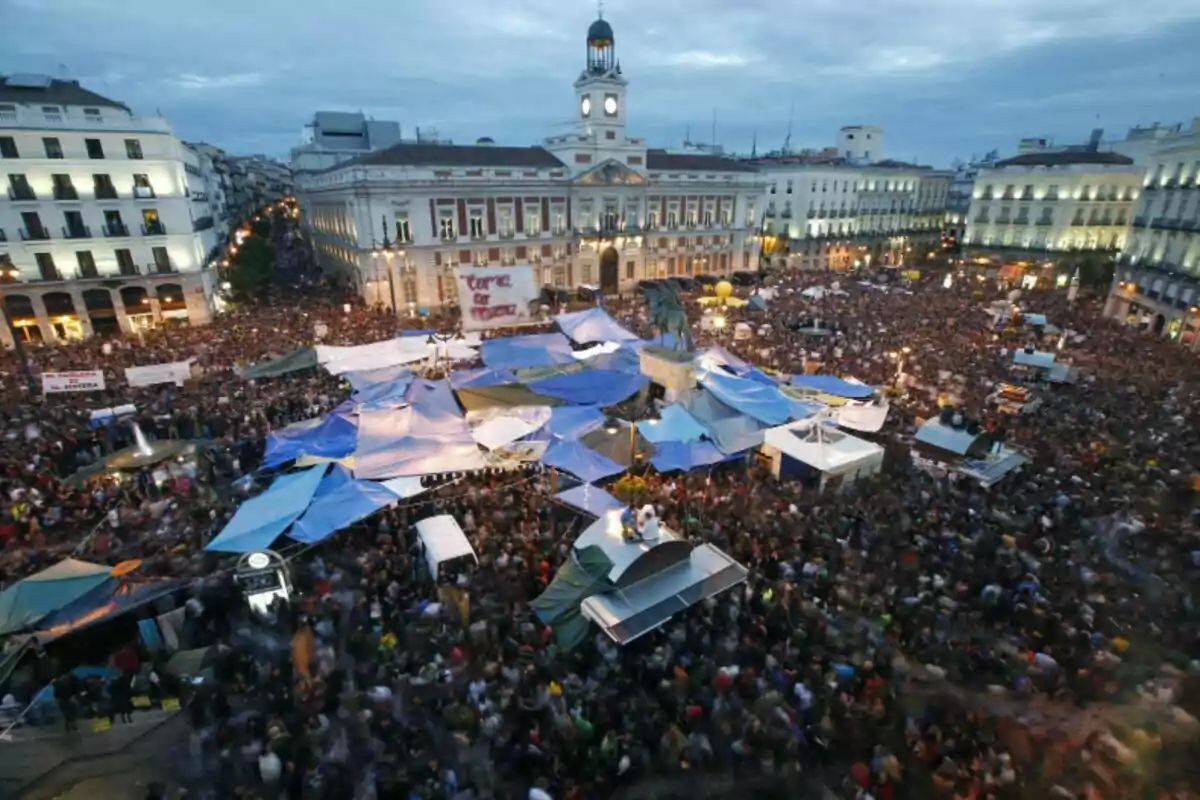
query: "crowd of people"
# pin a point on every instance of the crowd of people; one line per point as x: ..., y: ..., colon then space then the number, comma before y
x: 914, y: 635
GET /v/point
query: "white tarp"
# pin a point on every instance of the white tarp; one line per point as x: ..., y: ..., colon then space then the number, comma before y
x: 176, y: 372
x: 443, y: 540
x: 388, y: 353
x: 495, y: 297
x: 81, y: 380
x: 867, y: 417
x: 504, y: 426
x: 414, y: 441
x: 822, y: 448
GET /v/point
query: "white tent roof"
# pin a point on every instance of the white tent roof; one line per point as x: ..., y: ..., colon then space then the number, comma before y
x: 821, y: 447
x: 443, y: 540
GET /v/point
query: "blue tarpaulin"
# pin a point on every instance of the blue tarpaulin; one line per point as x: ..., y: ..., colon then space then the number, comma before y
x: 388, y: 394
x: 29, y: 600
x: 364, y: 378
x: 591, y: 499
x: 831, y: 384
x: 425, y: 333
x: 260, y: 520
x: 764, y: 403
x: 420, y: 439
x: 600, y: 387
x: 592, y: 325
x: 758, y: 376
x: 522, y: 352
x: 569, y: 422
x: 104, y: 602
x: 433, y: 394
x: 732, y: 432
x: 670, y: 456
x: 675, y: 424
x: 340, y: 508
x: 481, y: 378
x: 580, y: 460
x: 331, y: 436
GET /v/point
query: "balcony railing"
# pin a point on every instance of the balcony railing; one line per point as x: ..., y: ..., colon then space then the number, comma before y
x: 161, y: 269
x: 143, y: 193
x: 128, y: 270
x: 106, y: 193
x: 35, y: 234
x: 1045, y: 222
x: 88, y: 275
x: 21, y: 194
x: 153, y: 229
x: 65, y: 193
x: 1139, y: 222
x: 202, y: 224
x: 116, y: 229
x: 77, y: 232
x: 49, y: 276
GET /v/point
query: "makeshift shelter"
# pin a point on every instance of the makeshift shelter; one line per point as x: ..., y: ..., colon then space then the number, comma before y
x: 618, y: 443
x: 386, y: 394
x: 107, y: 601
x: 649, y: 581
x: 964, y: 451
x: 260, y: 520
x: 505, y: 426
x: 590, y: 499
x: 832, y: 385
x: 580, y: 577
x: 819, y: 454
x: 419, y: 439
x: 481, y: 377
x: 730, y: 431
x: 537, y: 350
x: 342, y: 505
x: 27, y: 601
x: 331, y: 436
x: 592, y: 325
x: 764, y: 403
x: 515, y: 395
x: 674, y: 424
x: 596, y: 386
x: 580, y: 460
x: 361, y: 379
x: 298, y: 359
x: 1033, y: 358
x: 958, y: 441
x: 570, y: 422
x: 684, y: 456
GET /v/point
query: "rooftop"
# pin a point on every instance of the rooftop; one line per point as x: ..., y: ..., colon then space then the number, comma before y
x: 44, y: 89
x: 1063, y: 158
x: 449, y: 155
x: 693, y: 162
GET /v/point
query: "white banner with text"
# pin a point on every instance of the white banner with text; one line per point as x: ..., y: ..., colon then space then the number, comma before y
x: 494, y: 297
x: 81, y: 380
x: 176, y: 372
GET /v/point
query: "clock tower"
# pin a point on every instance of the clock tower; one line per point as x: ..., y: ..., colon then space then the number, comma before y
x: 600, y: 89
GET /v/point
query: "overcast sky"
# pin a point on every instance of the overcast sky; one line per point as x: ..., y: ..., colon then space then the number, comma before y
x: 945, y: 78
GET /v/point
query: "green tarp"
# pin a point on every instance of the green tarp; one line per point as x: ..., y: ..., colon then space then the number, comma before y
x: 512, y: 395
x: 576, y: 580
x: 298, y: 359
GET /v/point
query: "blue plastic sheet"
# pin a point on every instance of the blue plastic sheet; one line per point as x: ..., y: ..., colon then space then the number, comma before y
x: 580, y: 460
x: 591, y: 499
x: 331, y: 436
x: 764, y: 403
x: 364, y: 378
x: 481, y: 378
x: 670, y: 456
x: 522, y: 352
x: 340, y: 508
x: 419, y: 439
x: 832, y: 385
x: 732, y: 432
x: 569, y: 422
x: 388, y: 394
x: 592, y: 325
x: 260, y: 520
x: 600, y: 387
x: 434, y: 395
x: 675, y: 424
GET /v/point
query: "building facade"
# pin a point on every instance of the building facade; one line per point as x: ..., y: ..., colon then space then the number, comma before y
x: 595, y: 206
x: 105, y: 222
x: 1047, y: 205
x: 332, y: 137
x: 1157, y: 280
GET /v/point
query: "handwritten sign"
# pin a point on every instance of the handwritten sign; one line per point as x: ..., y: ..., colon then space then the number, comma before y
x: 83, y: 380
x: 493, y: 297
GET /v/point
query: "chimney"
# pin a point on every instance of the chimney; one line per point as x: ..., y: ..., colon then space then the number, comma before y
x: 1094, y: 141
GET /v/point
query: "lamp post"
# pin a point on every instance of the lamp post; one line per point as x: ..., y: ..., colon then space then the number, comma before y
x: 388, y: 251
x: 438, y: 341
x: 9, y: 273
x: 612, y: 425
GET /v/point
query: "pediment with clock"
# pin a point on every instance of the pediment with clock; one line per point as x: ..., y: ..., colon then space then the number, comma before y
x: 611, y: 173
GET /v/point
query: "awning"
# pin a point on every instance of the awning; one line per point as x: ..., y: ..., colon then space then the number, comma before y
x: 332, y: 436
x: 675, y: 424
x: 260, y: 520
x: 481, y: 377
x: 340, y: 508
x: 671, y: 456
x: 29, y: 600
x: 831, y: 384
x: 481, y: 398
x: 570, y: 422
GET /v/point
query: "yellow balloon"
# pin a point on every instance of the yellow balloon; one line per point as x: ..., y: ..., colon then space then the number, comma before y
x: 724, y: 289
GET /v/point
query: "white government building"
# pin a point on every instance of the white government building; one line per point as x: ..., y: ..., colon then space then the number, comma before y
x: 595, y: 206
x: 107, y: 221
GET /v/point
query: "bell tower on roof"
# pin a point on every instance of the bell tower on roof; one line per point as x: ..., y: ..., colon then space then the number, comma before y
x: 600, y: 88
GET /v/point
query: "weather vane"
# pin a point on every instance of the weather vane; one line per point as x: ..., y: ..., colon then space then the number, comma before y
x: 600, y: 8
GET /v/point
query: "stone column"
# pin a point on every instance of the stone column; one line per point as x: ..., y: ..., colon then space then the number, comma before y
x: 43, y: 319
x: 119, y: 309
x: 85, y: 319
x: 155, y: 306
x: 6, y: 336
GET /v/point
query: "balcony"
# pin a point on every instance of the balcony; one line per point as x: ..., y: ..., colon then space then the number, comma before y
x: 143, y: 193
x: 35, y: 235
x: 202, y: 224
x: 106, y: 193
x: 1150, y: 187
x: 21, y: 194
x: 160, y: 269
x: 1139, y: 222
x: 48, y: 276
x: 507, y: 233
x: 116, y: 229
x: 1077, y: 222
x: 1045, y: 222
x: 65, y: 193
x: 1021, y: 221
x: 77, y: 232
x: 153, y: 229
x: 128, y: 270
x: 1026, y: 196
x: 1170, y: 183
x: 981, y: 220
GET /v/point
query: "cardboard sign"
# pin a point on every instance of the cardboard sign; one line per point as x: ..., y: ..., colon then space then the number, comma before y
x: 82, y: 380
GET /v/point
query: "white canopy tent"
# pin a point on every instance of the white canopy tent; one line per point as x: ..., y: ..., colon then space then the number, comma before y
x: 442, y: 540
x: 820, y: 448
x: 390, y: 352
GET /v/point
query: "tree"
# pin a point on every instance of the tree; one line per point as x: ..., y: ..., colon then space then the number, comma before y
x: 253, y: 266
x: 1095, y: 272
x: 262, y: 227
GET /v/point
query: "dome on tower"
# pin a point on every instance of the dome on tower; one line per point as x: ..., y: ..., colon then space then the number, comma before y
x: 600, y: 32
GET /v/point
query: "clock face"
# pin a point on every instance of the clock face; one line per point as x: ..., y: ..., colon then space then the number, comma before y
x: 585, y: 105
x: 610, y: 105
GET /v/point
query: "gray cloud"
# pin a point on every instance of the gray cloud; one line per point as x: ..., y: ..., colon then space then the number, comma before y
x: 944, y: 78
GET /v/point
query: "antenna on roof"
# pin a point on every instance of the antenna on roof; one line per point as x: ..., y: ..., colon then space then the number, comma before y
x: 713, y: 139
x: 787, y: 143
x: 600, y: 9
x: 754, y: 146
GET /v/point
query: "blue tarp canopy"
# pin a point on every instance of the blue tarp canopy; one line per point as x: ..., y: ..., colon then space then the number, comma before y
x: 342, y: 506
x: 388, y: 394
x: 433, y: 394
x: 592, y: 325
x: 569, y: 422
x: 758, y: 376
x: 732, y: 432
x: 422, y: 332
x: 944, y: 437
x: 580, y: 460
x: 624, y: 359
x: 331, y: 436
x: 723, y: 357
x: 419, y: 439
x: 260, y: 520
x: 764, y: 403
x: 364, y: 378
x: 756, y: 302
x: 600, y: 387
x: 521, y: 352
x: 481, y: 378
x: 591, y: 499
x: 29, y: 600
x: 833, y: 385
x: 1037, y: 358
x: 675, y: 424
x: 670, y: 456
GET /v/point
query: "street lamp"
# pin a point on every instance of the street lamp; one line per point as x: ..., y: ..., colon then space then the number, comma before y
x: 388, y: 251
x: 612, y: 426
x: 438, y: 341
x: 10, y: 273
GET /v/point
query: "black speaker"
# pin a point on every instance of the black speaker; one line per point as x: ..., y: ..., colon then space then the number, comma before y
x: 947, y: 415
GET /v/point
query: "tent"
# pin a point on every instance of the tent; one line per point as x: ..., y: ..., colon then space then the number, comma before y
x: 260, y: 520
x: 27, y: 601
x: 674, y: 424
x: 592, y: 325
x: 730, y: 431
x: 1035, y: 358
x: 442, y: 540
x: 832, y: 385
x: 591, y: 499
x: 576, y: 580
x: 814, y: 450
x: 580, y: 460
x: 298, y: 359
x: 596, y: 386
x: 764, y: 403
x: 481, y: 377
x: 957, y: 441
x: 386, y: 394
x: 537, y: 350
x: 570, y: 422
x: 344, y: 504
x: 671, y: 456
x: 617, y: 444
x: 419, y: 439
x: 361, y: 379
x: 105, y: 602
x: 432, y: 394
x: 331, y: 436
x: 500, y: 428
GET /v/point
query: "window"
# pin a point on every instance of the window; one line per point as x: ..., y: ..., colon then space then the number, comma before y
x: 63, y: 188
x: 708, y: 217
x: 446, y: 224
x: 533, y: 222
x: 151, y: 224
x: 8, y: 147
x: 125, y: 262
x: 727, y: 215
x: 403, y: 228
x: 652, y: 218
x: 75, y: 229
x: 629, y: 268
x: 611, y: 220
x: 53, y: 147
x: 33, y: 227
x: 46, y: 268
x: 133, y: 149
x: 91, y: 114
x: 558, y: 219
x: 587, y: 274
x: 478, y: 230
x: 141, y: 187
x: 162, y: 262
x: 673, y: 216
x: 19, y: 188
x: 102, y: 185
x: 94, y: 148
x: 87, y: 264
